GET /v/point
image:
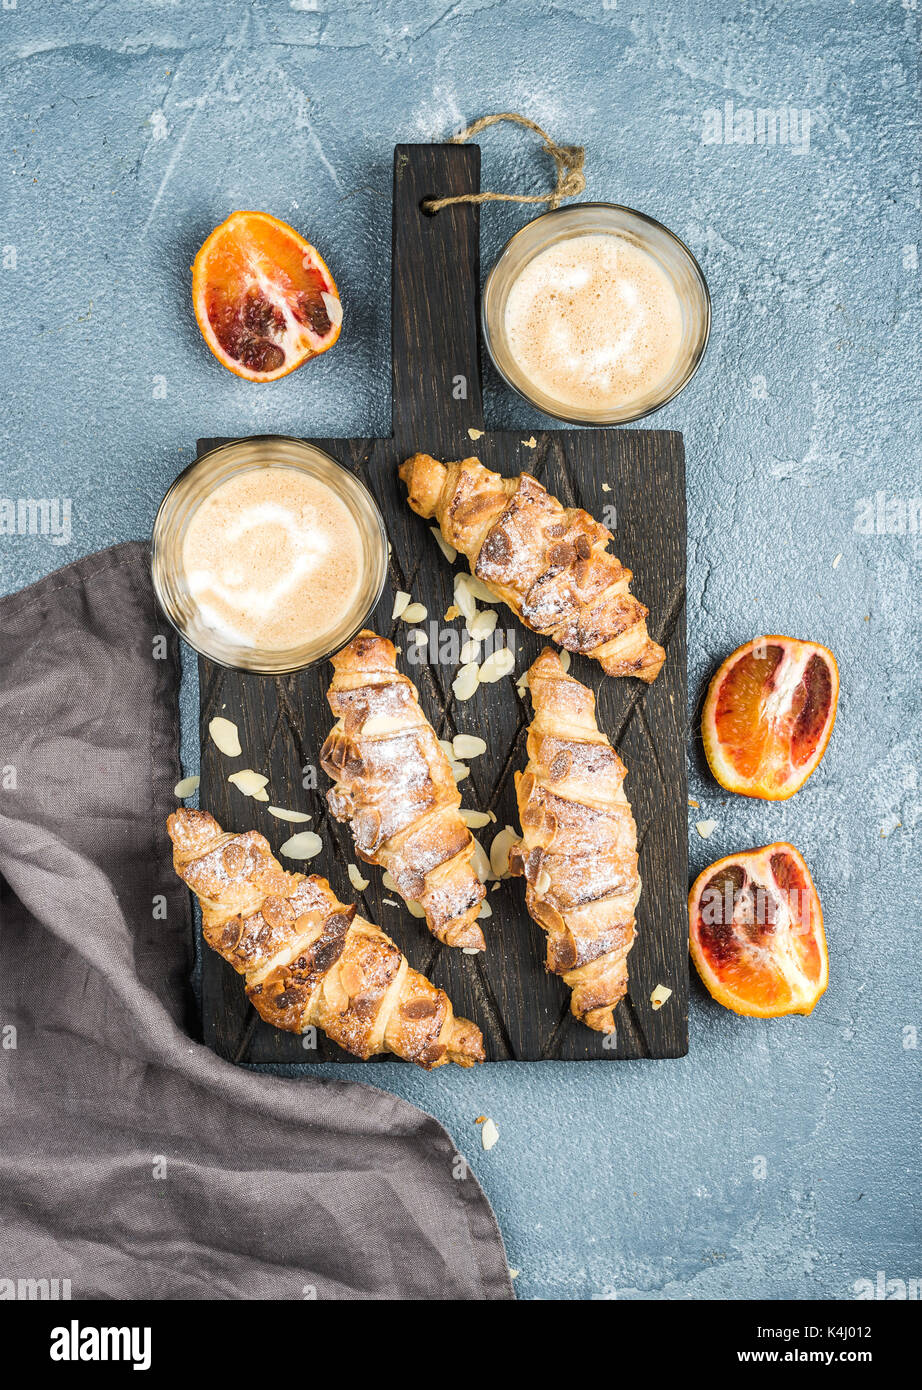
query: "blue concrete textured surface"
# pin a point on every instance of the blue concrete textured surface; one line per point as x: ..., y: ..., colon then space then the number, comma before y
x: 778, y: 1159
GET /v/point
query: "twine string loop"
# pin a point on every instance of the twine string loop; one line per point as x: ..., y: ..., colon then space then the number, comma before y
x: 568, y: 161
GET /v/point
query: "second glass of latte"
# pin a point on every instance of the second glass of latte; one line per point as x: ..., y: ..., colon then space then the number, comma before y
x: 596, y: 314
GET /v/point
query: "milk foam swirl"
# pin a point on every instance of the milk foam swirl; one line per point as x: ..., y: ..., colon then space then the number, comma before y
x: 594, y: 322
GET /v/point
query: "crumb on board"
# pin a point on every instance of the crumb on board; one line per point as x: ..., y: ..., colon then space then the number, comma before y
x: 660, y: 995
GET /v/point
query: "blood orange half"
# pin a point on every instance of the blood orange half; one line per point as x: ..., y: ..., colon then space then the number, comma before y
x: 768, y: 715
x: 264, y: 298
x: 756, y: 933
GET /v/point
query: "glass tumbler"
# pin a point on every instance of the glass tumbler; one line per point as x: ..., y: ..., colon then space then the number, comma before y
x: 671, y: 255
x: 199, y: 481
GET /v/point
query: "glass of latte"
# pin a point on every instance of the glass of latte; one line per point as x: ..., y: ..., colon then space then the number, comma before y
x: 268, y: 555
x: 596, y: 314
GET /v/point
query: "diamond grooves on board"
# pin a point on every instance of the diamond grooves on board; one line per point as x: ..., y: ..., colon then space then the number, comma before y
x: 523, y: 1011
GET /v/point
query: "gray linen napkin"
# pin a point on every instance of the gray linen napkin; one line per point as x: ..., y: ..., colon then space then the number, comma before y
x: 133, y: 1162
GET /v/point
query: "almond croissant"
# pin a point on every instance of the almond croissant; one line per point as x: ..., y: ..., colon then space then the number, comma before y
x: 307, y: 958
x: 548, y: 562
x: 395, y: 787
x: 578, y: 851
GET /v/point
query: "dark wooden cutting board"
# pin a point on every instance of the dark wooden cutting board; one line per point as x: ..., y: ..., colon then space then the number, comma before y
x: 523, y: 1011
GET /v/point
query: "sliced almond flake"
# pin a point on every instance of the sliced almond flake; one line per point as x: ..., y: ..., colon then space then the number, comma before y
x: 835, y: 563
x: 446, y: 747
x: 474, y: 820
x: 530, y: 443
x: 381, y: 724
x: 302, y: 846
x: 466, y: 681
x: 485, y: 909
x: 418, y: 636
x: 415, y: 613
x: 468, y: 746
x: 248, y: 781
x: 479, y: 589
x: 479, y: 860
x: 391, y: 902
x: 522, y: 686
x: 660, y: 995
x: 388, y: 882
x: 492, y: 815
x: 463, y: 596
x: 489, y: 1134
x: 470, y: 652
x: 542, y: 882
x: 606, y: 487
x: 355, y: 878
x: 447, y: 550
x: 470, y: 950
x: 459, y: 770
x: 186, y: 787
x: 705, y: 828
x: 225, y: 737
x: 401, y: 600
x: 498, y: 664
x: 452, y: 612
x: 261, y: 795
x: 499, y: 851
x: 415, y: 909
x: 564, y: 661
x: 514, y: 1273
x: 281, y: 813
x: 475, y: 434
x: 482, y: 624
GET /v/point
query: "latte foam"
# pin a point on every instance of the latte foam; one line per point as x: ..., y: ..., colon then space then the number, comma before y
x: 272, y: 558
x: 594, y: 322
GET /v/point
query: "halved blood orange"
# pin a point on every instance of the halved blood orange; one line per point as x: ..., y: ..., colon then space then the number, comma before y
x: 264, y: 298
x: 756, y: 932
x: 768, y: 715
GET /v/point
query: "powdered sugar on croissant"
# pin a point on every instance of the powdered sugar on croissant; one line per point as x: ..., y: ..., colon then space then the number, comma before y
x: 395, y: 787
x: 548, y: 562
x: 308, y: 959
x: 579, y: 843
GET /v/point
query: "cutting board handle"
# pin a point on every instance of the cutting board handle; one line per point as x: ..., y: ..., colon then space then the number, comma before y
x: 435, y: 297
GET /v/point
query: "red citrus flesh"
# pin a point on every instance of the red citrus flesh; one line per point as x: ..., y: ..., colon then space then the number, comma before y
x: 756, y: 932
x: 264, y: 297
x: 769, y: 714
